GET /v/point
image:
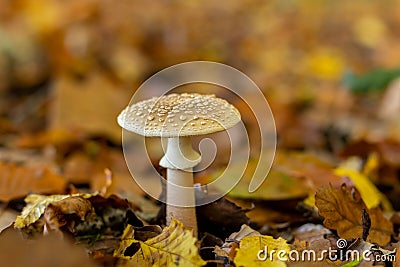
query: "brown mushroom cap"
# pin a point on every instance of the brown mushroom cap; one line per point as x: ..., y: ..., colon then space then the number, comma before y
x: 176, y: 115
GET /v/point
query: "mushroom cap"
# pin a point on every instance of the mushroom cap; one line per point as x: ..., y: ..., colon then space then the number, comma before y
x: 174, y: 115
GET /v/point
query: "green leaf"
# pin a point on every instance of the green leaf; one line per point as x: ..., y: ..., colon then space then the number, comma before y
x: 353, y: 263
x: 375, y: 80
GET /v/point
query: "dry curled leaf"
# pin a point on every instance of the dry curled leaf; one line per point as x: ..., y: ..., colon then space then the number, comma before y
x: 175, y: 246
x: 55, y: 212
x: 17, y: 181
x: 342, y: 211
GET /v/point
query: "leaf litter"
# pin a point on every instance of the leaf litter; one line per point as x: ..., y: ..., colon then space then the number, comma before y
x: 335, y: 174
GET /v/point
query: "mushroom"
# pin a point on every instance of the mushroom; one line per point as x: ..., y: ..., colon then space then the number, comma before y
x: 178, y: 117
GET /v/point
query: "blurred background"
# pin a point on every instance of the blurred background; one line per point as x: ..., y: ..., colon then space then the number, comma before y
x: 67, y: 68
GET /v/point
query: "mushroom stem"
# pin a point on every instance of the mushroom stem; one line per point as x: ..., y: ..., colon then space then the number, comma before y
x: 187, y: 215
x: 179, y: 159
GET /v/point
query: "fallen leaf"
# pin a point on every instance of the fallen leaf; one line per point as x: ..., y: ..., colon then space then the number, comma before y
x: 146, y: 232
x: 390, y: 152
x: 280, y: 184
x: 353, y: 263
x: 387, y: 151
x: 56, y: 138
x: 311, y: 237
x: 310, y: 232
x: 244, y: 231
x: 89, y: 106
x: 17, y: 181
x: 325, y: 63
x: 175, y: 246
x: 362, y: 246
x: 374, y: 80
x: 317, y: 171
x: 35, y: 206
x: 212, y: 217
x: 371, y: 196
x: 55, y: 212
x: 248, y: 251
x: 342, y: 209
x: 110, y: 216
x: 228, y: 249
x: 7, y: 218
x: 293, y: 175
x: 369, y: 30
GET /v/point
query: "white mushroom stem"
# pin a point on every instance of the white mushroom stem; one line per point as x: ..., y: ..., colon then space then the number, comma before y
x: 187, y: 215
x: 179, y: 159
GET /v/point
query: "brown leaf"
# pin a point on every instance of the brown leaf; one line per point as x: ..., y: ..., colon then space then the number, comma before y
x: 342, y: 211
x: 388, y: 150
x: 17, y: 181
x: 56, y: 213
x: 57, y: 138
x: 89, y: 106
x: 212, y: 217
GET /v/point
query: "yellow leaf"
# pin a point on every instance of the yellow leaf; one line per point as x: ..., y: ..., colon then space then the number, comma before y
x: 369, y: 30
x: 325, y: 64
x: 175, y: 246
x: 370, y: 194
x: 228, y: 249
x: 43, y: 17
x: 310, y: 200
x: 253, y: 250
x: 371, y: 165
x: 35, y: 205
